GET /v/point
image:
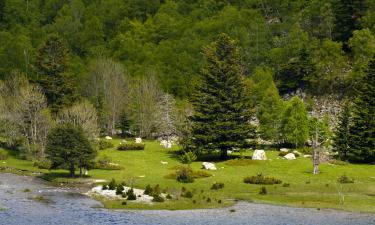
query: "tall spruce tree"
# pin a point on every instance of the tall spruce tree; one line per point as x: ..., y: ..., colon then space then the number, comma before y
x: 362, y: 128
x: 52, y: 65
x: 222, y: 114
x: 341, y: 138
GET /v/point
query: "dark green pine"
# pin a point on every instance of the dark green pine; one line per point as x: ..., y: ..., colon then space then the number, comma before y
x: 221, y: 111
x: 362, y: 129
x: 341, y: 139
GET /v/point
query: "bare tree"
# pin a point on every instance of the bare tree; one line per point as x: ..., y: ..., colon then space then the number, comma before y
x: 107, y: 87
x: 167, y: 117
x: 81, y: 114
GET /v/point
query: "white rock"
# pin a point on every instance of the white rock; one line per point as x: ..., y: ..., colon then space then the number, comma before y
x: 123, y: 141
x: 169, y: 144
x: 290, y: 156
x: 229, y: 152
x: 297, y: 153
x: 164, y: 163
x: 163, y: 142
x: 307, y: 156
x: 284, y: 150
x: 138, y: 140
x: 108, y: 138
x: 259, y: 155
x: 208, y: 166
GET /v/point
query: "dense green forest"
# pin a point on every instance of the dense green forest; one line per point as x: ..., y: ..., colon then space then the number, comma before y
x: 114, y: 66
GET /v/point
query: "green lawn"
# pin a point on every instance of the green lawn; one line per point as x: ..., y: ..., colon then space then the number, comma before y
x: 305, y: 190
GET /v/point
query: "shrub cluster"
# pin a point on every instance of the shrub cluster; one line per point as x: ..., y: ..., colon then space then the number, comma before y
x: 43, y: 164
x: 186, y: 194
x: 130, y: 194
x: 263, y: 191
x: 345, y: 180
x: 185, y: 175
x: 104, y: 144
x: 217, y: 186
x: 131, y: 146
x: 119, y: 189
x: 105, y: 163
x: 188, y: 157
x: 260, y: 179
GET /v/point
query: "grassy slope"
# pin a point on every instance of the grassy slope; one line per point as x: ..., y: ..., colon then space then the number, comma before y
x: 305, y: 189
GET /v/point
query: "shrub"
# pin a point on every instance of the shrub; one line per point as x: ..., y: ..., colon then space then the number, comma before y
x: 286, y: 185
x: 104, y: 144
x: 217, y: 186
x: 200, y: 174
x: 119, y: 189
x: 187, y: 194
x: 344, y: 180
x: 105, y: 187
x: 124, y: 203
x: 43, y: 164
x: 3, y: 154
x: 131, y: 146
x: 105, y: 163
x: 208, y: 200
x: 263, y: 191
x: 157, y: 198
x: 219, y: 201
x: 188, y: 157
x: 131, y: 195
x: 184, y: 175
x: 168, y: 196
x: 112, y: 185
x: 148, y: 190
x: 260, y: 179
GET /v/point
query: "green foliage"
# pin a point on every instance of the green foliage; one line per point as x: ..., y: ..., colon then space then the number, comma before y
x: 344, y: 180
x: 341, y: 138
x: 361, y: 130
x: 187, y: 194
x: 119, y: 189
x: 104, y: 144
x: 68, y: 147
x: 157, y: 198
x: 3, y: 154
x: 43, y: 164
x: 294, y: 124
x: 130, y: 146
x: 221, y: 107
x: 112, y: 185
x: 184, y: 175
x: 105, y: 163
x: 130, y: 194
x: 260, y: 179
x: 188, y: 157
x: 217, y: 186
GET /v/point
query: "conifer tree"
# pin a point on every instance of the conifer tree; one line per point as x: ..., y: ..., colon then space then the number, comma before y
x: 341, y: 138
x: 221, y: 117
x: 362, y: 128
x: 52, y: 66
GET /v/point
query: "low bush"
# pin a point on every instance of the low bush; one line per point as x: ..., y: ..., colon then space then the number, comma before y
x: 43, y: 164
x: 105, y: 163
x: 345, y: 180
x: 188, y: 157
x: 131, y: 146
x: 112, y: 185
x: 105, y: 187
x: 130, y: 194
x: 104, y: 144
x: 168, y: 196
x: 3, y: 154
x: 152, y: 190
x: 217, y: 186
x: 260, y: 179
x: 263, y: 191
x: 187, y: 194
x: 185, y: 175
x: 286, y: 185
x: 219, y: 201
x: 157, y: 198
x: 119, y: 189
x: 124, y: 203
x: 148, y: 190
x: 208, y: 200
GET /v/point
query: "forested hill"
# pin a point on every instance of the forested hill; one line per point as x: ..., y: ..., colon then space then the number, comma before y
x: 320, y: 46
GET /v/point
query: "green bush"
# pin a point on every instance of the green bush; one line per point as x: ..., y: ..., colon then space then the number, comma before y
x: 286, y: 185
x: 260, y: 179
x: 263, y: 191
x: 217, y: 186
x: 157, y: 198
x: 345, y: 180
x: 105, y: 163
x: 104, y: 144
x: 112, y: 185
x: 188, y: 157
x: 130, y: 194
x: 119, y: 189
x: 131, y: 146
x: 168, y: 196
x: 208, y: 200
x: 148, y: 190
x: 184, y: 175
x: 187, y: 194
x: 43, y: 164
x: 3, y: 154
x: 105, y: 187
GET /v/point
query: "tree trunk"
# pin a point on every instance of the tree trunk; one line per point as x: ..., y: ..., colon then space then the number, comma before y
x: 71, y: 170
x: 224, y: 154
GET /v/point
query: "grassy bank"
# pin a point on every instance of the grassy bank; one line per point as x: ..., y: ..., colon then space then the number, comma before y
x: 303, y: 189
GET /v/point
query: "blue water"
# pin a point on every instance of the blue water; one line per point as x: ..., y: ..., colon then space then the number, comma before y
x: 68, y: 207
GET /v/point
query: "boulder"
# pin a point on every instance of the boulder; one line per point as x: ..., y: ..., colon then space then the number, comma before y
x: 290, y: 156
x: 284, y: 150
x: 108, y: 138
x: 208, y: 166
x: 297, y: 153
x: 164, y: 163
x: 259, y: 155
x: 138, y: 140
x: 307, y: 156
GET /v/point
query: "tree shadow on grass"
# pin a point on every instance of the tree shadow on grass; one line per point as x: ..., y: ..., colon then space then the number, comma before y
x: 60, y: 176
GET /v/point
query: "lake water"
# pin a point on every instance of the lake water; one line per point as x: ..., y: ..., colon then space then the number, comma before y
x: 69, y: 207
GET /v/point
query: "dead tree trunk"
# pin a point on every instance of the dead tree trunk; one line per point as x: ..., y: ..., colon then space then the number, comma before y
x: 316, y: 151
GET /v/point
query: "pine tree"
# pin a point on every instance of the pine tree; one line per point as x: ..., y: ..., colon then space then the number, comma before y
x: 52, y: 65
x: 362, y: 128
x: 221, y: 117
x: 341, y: 138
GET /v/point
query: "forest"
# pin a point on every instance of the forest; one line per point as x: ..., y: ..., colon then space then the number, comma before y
x: 131, y: 68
